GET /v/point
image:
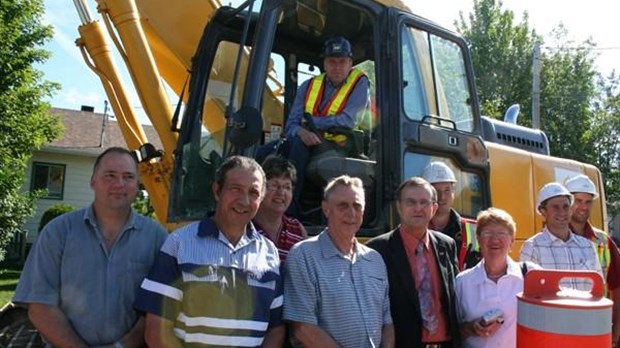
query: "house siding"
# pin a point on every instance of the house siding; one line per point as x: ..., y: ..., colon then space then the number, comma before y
x: 86, y: 136
x: 77, y: 190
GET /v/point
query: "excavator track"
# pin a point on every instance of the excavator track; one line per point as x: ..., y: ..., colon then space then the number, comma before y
x: 16, y: 330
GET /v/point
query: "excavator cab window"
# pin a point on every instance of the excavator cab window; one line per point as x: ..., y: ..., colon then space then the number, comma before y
x: 468, y: 193
x: 434, y: 79
x: 438, y: 120
x: 203, y: 151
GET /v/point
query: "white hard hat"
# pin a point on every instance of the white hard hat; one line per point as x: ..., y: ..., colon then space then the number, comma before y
x: 581, y: 183
x: 438, y: 172
x: 552, y: 189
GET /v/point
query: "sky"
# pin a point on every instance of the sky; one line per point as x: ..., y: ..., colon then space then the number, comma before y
x: 80, y: 86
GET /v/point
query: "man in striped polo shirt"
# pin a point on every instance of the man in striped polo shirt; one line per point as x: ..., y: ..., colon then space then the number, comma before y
x: 336, y: 288
x: 217, y: 282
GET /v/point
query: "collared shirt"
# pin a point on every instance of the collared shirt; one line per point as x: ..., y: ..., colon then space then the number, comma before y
x: 613, y: 272
x: 290, y: 234
x: 476, y: 294
x: 70, y: 267
x: 356, y: 103
x: 216, y: 293
x: 551, y: 252
x: 345, y: 297
x: 411, y: 244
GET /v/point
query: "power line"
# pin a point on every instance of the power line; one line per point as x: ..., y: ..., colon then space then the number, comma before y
x: 592, y: 48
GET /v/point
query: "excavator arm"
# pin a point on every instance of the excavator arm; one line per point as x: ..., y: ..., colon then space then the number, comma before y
x: 156, y: 41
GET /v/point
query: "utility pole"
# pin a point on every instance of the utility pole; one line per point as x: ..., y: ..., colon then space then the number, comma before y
x: 536, y: 87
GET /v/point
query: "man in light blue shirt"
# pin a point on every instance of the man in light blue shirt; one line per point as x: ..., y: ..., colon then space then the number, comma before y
x: 82, y: 274
x: 336, y: 289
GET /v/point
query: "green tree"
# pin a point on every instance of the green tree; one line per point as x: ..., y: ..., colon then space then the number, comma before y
x: 604, y: 133
x: 579, y: 117
x: 142, y: 205
x: 502, y: 55
x: 53, y: 212
x: 25, y: 120
x: 568, y: 87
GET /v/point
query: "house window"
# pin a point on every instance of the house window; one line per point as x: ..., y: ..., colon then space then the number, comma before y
x: 48, y: 176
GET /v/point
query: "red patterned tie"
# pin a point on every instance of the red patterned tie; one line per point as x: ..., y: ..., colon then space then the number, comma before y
x: 425, y: 291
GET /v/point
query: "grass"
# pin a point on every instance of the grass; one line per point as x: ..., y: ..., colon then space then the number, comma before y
x: 9, y: 275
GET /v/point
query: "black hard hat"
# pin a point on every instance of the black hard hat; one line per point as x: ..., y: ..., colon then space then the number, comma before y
x: 337, y: 47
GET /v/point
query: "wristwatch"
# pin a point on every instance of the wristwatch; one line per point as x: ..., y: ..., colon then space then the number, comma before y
x: 118, y: 344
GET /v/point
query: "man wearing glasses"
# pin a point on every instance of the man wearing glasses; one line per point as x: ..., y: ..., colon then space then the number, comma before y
x: 421, y: 265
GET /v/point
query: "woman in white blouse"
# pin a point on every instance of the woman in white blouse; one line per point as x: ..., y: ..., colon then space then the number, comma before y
x: 486, y: 293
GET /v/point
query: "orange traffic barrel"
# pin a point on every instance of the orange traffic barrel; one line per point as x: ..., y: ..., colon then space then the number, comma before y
x: 548, y: 316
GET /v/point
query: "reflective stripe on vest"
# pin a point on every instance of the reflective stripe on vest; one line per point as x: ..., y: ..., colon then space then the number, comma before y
x: 468, y: 233
x: 314, y: 94
x: 601, y: 242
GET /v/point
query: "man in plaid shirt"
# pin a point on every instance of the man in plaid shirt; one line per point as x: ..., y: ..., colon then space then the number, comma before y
x: 556, y: 247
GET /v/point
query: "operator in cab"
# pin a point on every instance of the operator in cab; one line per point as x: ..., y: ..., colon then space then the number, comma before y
x: 330, y: 101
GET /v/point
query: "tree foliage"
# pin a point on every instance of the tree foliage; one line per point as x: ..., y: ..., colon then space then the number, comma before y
x: 580, y: 116
x: 502, y: 55
x: 142, y: 205
x: 604, y: 133
x: 53, y: 212
x: 568, y: 86
x: 25, y: 122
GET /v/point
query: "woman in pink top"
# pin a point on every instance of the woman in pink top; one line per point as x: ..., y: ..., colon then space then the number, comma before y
x: 271, y: 221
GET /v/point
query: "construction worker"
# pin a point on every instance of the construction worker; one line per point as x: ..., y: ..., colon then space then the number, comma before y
x: 446, y: 219
x: 556, y: 246
x: 333, y: 99
x: 584, y: 193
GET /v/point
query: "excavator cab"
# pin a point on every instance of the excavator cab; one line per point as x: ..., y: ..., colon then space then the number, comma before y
x: 250, y: 63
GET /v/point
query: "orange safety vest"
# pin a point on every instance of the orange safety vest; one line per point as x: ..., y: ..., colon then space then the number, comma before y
x: 468, y: 236
x: 314, y: 97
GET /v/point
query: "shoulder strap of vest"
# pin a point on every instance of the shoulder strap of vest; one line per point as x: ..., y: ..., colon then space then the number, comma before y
x: 469, y: 244
x: 314, y: 94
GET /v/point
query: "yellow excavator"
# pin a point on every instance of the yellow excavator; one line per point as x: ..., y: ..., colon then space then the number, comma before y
x: 236, y: 70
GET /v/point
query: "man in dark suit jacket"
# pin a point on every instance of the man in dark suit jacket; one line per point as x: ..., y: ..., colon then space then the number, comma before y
x: 405, y: 250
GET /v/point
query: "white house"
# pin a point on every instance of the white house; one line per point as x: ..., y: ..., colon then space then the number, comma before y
x: 64, y: 167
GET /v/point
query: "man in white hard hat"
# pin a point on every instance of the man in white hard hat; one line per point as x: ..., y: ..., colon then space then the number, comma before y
x: 447, y: 220
x: 584, y: 193
x: 556, y: 247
